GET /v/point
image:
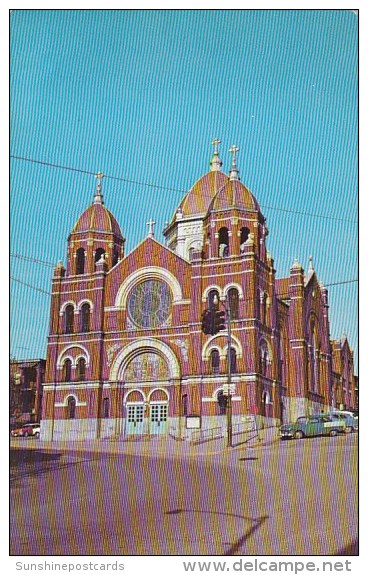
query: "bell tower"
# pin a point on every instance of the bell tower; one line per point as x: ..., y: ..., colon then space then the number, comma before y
x: 96, y: 236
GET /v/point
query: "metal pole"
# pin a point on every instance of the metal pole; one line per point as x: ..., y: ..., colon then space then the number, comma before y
x: 229, y: 402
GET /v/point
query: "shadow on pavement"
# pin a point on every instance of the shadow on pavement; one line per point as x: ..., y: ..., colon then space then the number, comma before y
x: 237, y: 545
x: 352, y: 549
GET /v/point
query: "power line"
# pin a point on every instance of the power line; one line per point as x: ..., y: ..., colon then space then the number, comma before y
x: 33, y: 260
x: 30, y: 286
x: 68, y: 168
x: 166, y: 188
x: 340, y: 283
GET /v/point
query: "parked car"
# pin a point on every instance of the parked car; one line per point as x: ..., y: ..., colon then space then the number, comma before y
x: 312, y: 426
x: 351, y: 422
x: 27, y: 430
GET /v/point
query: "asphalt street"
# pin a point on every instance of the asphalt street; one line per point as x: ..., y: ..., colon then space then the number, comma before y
x: 288, y: 498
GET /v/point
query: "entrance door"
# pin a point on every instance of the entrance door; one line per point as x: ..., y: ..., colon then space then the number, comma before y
x: 135, y: 419
x: 158, y: 419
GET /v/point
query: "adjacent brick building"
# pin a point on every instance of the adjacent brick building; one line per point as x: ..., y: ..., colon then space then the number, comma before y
x: 25, y: 393
x: 126, y: 353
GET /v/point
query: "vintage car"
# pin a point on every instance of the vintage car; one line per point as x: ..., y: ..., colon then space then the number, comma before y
x: 27, y: 430
x: 351, y: 421
x: 312, y: 426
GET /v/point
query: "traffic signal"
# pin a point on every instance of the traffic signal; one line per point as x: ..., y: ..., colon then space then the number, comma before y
x: 208, y: 322
x: 213, y: 321
x: 220, y: 321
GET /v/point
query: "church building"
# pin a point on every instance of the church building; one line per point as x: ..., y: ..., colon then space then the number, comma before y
x: 126, y: 351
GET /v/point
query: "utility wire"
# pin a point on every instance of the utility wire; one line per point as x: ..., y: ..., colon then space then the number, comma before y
x: 34, y: 260
x: 30, y: 286
x: 157, y: 186
x: 60, y: 167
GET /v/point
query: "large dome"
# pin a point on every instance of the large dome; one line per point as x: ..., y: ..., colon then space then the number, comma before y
x: 97, y: 218
x: 234, y: 195
x: 199, y: 197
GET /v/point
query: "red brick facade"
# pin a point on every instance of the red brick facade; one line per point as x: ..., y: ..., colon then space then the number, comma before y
x: 126, y: 353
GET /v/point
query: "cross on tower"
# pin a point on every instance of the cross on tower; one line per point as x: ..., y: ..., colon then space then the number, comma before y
x: 150, y: 225
x: 98, y: 196
x: 234, y: 174
x: 234, y: 150
x: 215, y: 162
x: 99, y: 177
x: 216, y: 142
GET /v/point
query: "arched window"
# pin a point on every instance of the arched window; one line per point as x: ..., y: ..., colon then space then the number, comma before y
x: 223, y: 250
x: 244, y: 235
x: 67, y: 370
x: 233, y: 366
x: 315, y: 360
x: 233, y: 299
x: 80, y: 261
x: 265, y: 401
x: 106, y: 408
x: 213, y: 295
x: 264, y: 358
x: 222, y: 402
x: 191, y: 254
x: 184, y: 402
x: 264, y: 306
x: 81, y: 369
x: 71, y: 407
x: 69, y: 319
x: 98, y: 254
x: 115, y: 257
x: 215, y: 361
x: 85, y: 317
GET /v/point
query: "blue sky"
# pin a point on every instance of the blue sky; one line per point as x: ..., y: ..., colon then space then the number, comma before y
x: 140, y: 95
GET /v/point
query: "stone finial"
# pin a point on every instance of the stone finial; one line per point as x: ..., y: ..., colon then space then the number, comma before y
x: 296, y: 265
x: 310, y: 266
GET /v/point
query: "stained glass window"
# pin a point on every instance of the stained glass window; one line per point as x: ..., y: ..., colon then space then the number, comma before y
x: 149, y: 304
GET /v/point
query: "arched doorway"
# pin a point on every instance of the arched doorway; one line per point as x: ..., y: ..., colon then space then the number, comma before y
x: 158, y: 412
x: 149, y: 369
x: 148, y: 373
x: 134, y: 405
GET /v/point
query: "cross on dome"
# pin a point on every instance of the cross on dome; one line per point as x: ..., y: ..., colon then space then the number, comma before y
x: 215, y: 162
x: 98, y: 195
x: 150, y: 225
x: 234, y: 174
x: 216, y: 142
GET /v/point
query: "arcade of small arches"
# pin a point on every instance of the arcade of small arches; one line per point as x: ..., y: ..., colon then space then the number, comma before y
x: 68, y: 313
x: 98, y: 254
x: 223, y: 240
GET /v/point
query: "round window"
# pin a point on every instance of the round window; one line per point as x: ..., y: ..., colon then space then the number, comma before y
x: 149, y: 303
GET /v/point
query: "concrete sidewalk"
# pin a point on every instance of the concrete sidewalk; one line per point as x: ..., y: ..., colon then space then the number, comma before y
x: 154, y: 445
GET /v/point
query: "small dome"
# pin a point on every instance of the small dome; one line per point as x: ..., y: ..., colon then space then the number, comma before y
x: 197, y: 200
x: 99, y: 219
x: 234, y: 194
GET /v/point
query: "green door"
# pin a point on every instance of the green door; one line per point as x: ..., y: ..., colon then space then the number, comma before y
x: 135, y: 419
x: 158, y: 419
